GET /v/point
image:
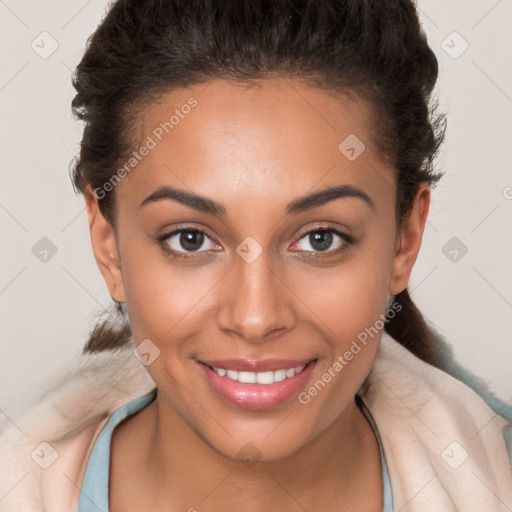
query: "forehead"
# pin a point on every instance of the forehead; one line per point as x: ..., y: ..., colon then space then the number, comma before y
x: 277, y: 135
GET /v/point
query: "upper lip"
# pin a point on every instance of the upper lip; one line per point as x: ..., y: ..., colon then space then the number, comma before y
x: 259, y: 365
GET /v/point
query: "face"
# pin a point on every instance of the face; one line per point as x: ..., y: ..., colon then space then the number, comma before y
x: 228, y: 256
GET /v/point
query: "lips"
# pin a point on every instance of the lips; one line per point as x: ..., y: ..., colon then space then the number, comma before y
x: 221, y: 375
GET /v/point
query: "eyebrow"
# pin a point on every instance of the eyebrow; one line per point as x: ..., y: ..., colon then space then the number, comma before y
x: 302, y: 204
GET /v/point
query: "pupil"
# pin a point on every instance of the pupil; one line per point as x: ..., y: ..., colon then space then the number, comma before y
x: 191, y: 240
x: 320, y: 240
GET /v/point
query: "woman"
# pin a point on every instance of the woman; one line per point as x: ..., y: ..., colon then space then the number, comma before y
x: 257, y: 180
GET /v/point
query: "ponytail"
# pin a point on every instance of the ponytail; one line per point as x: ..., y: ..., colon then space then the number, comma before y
x: 109, y: 333
x: 411, y: 330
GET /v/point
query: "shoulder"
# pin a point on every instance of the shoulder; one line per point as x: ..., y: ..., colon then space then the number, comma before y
x: 45, y: 442
x: 444, y: 443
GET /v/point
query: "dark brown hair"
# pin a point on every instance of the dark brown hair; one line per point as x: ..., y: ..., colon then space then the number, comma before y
x: 373, y: 49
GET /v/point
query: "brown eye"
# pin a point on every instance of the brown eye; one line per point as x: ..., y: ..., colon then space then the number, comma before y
x: 182, y: 241
x: 322, y: 240
x: 191, y: 240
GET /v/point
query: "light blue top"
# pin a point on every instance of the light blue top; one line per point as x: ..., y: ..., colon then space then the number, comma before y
x: 388, y: 497
x: 94, y: 493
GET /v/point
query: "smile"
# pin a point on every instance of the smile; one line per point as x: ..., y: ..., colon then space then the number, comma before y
x: 271, y: 383
x: 269, y: 377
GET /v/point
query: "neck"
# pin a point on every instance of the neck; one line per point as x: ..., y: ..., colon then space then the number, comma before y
x: 339, y: 466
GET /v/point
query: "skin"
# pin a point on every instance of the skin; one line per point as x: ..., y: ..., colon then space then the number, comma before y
x: 254, y: 150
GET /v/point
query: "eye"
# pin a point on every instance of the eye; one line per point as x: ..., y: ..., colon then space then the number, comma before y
x: 324, y: 240
x: 181, y: 242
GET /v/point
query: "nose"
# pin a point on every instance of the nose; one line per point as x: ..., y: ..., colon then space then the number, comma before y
x: 256, y: 302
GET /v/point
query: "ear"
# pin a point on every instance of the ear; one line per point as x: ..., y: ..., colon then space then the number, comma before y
x: 408, y: 241
x: 104, y: 246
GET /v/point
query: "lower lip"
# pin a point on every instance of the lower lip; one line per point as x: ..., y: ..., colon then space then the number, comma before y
x: 256, y: 396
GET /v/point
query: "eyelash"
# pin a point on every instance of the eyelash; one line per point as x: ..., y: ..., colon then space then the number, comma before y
x: 348, y: 241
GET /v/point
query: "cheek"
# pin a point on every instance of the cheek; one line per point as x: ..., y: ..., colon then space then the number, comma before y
x: 348, y: 307
x: 345, y: 300
x: 163, y: 299
x: 164, y: 306
x: 346, y: 304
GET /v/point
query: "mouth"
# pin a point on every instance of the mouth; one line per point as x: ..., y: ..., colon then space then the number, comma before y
x: 270, y: 383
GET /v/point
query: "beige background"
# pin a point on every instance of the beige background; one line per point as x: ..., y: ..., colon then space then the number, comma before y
x: 46, y: 308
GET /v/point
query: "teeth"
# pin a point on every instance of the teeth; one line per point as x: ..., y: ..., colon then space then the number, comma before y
x: 265, y: 377
x: 247, y: 377
x: 259, y: 377
x: 279, y: 375
x: 231, y: 374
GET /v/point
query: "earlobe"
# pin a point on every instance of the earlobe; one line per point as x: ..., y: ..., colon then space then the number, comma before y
x: 104, y: 246
x: 408, y: 241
